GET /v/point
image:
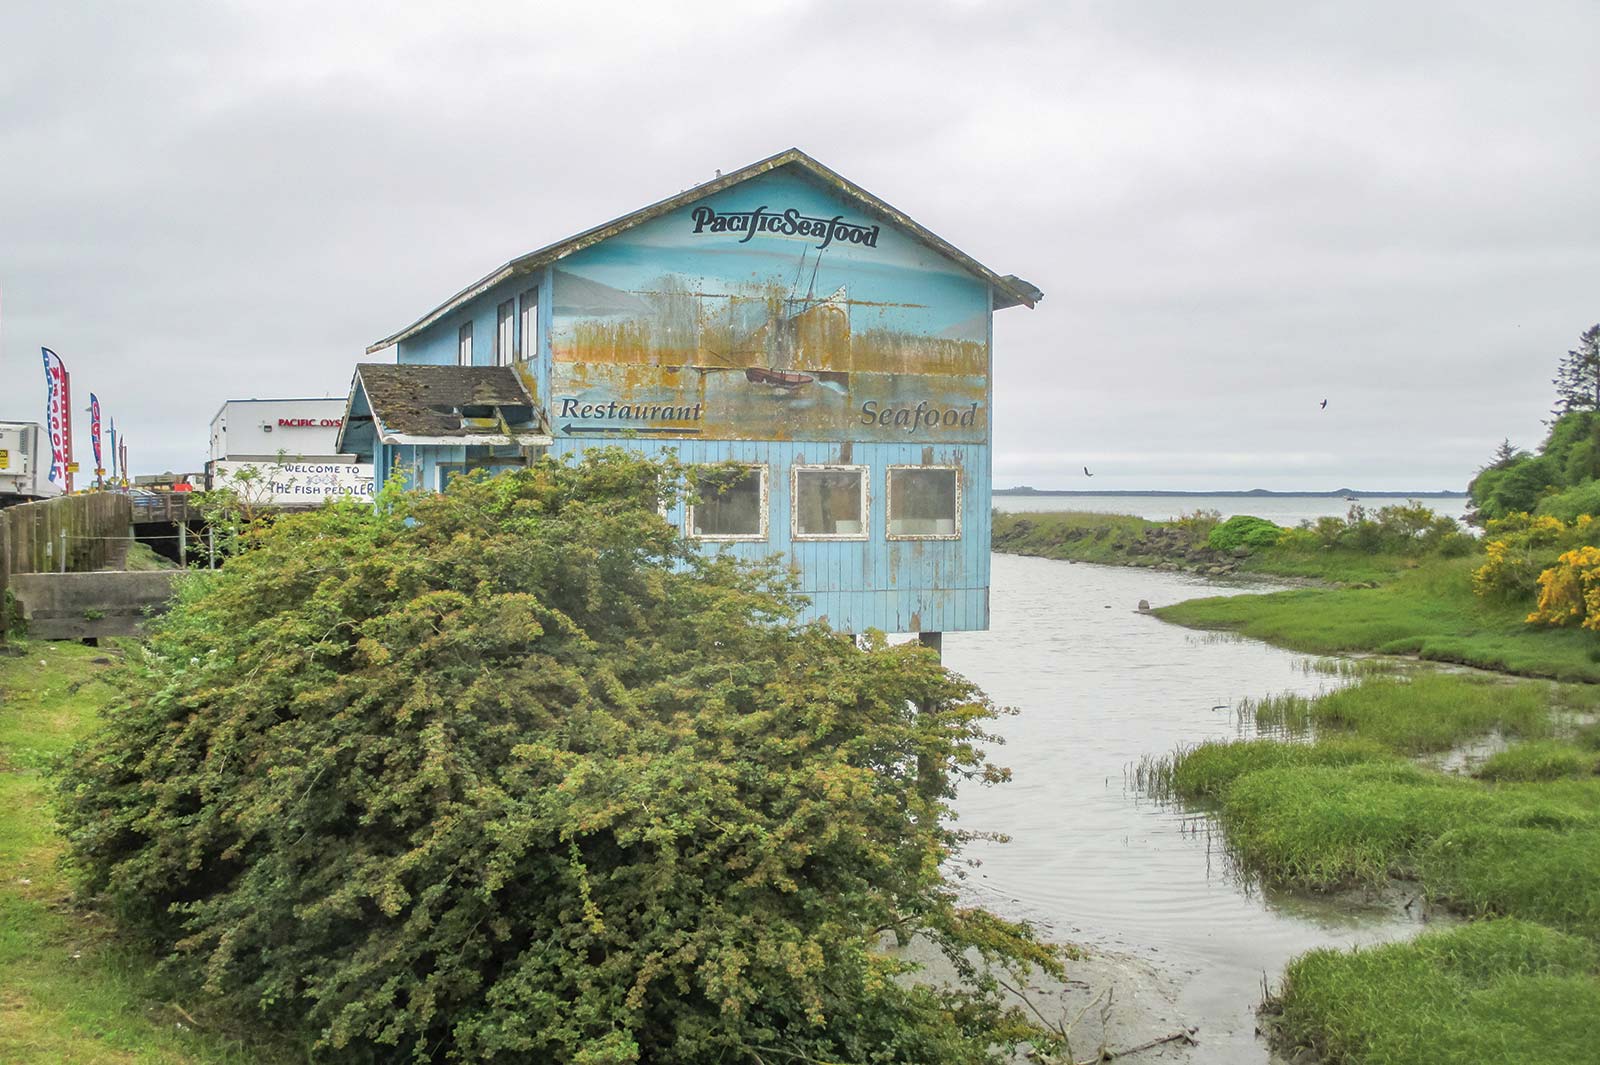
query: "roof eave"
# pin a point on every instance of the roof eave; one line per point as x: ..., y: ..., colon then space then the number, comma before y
x: 471, y: 439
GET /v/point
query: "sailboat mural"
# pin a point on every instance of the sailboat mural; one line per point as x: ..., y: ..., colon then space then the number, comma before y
x: 766, y: 335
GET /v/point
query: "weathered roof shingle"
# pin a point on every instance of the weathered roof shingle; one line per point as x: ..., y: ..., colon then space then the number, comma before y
x: 450, y: 404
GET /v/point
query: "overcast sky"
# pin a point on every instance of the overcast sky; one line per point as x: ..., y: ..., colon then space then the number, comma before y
x: 1235, y: 210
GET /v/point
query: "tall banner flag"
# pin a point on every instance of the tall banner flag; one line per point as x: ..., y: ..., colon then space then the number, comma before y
x: 94, y: 435
x: 57, y: 416
x: 113, y: 450
x: 124, y: 446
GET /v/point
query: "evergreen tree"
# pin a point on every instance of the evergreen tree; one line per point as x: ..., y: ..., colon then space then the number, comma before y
x: 1505, y: 453
x: 1577, y: 377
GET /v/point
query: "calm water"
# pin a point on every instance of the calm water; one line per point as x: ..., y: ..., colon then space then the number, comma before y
x: 1099, y: 686
x: 1284, y: 510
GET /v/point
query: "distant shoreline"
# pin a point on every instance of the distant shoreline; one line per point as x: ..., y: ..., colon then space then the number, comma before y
x: 1342, y: 493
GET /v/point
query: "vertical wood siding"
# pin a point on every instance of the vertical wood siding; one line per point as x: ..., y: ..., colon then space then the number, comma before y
x: 855, y: 585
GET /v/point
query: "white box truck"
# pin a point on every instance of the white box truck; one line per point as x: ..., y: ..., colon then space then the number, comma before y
x: 25, y: 463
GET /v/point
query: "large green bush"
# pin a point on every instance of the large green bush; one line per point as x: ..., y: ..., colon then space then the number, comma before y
x: 511, y: 774
x: 1572, y: 503
x: 1409, y: 528
x: 1244, y: 530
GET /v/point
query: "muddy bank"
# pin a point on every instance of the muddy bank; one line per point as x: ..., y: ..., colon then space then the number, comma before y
x: 1110, y: 1002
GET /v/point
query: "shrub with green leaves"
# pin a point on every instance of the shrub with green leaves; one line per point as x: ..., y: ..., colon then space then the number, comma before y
x: 511, y: 774
x: 1410, y: 528
x: 1244, y: 530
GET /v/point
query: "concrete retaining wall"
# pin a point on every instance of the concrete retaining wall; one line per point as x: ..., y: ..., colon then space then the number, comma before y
x: 72, y: 606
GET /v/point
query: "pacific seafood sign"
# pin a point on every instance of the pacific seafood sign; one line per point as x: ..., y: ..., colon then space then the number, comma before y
x: 786, y: 223
x: 772, y: 310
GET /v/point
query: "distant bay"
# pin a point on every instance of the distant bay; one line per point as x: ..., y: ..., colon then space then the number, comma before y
x: 1284, y: 508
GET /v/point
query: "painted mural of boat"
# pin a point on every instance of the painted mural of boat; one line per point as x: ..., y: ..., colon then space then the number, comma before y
x: 786, y: 379
x: 814, y: 324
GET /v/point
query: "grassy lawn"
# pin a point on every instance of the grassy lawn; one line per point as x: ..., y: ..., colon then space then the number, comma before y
x: 69, y: 992
x: 1429, y: 611
x: 1516, y: 845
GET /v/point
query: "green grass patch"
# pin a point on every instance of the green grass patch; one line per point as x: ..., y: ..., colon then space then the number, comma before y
x: 1507, y: 992
x: 1540, y: 760
x: 1204, y: 772
x: 71, y: 992
x: 1353, y: 668
x: 1339, y: 566
x: 1109, y: 539
x: 142, y: 557
x: 1429, y: 611
x: 1342, y: 812
x: 1547, y: 872
x: 1517, y: 845
x: 1425, y: 711
x: 1322, y: 827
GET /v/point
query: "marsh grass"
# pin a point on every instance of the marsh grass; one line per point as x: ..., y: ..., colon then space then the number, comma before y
x: 1428, y: 611
x: 1203, y: 772
x: 1322, y: 827
x: 1505, y: 991
x: 1339, y: 566
x: 1543, y: 866
x: 1426, y: 711
x: 1289, y: 713
x: 1345, y: 812
x: 1350, y: 668
x: 1350, y: 809
x: 1071, y: 535
x: 1540, y: 760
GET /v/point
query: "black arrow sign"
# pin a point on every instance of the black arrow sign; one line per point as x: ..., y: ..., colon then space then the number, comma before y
x: 571, y: 429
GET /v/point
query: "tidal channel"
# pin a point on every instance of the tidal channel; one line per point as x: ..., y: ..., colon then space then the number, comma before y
x: 1092, y: 860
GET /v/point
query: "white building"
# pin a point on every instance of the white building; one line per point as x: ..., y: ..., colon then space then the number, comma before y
x: 292, y: 447
x: 25, y: 463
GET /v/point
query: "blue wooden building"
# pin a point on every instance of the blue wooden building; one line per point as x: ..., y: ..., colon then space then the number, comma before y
x: 779, y: 317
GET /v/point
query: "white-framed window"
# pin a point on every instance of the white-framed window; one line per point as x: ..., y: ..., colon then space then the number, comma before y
x: 505, y: 333
x: 828, y: 502
x: 464, y: 345
x: 924, y: 503
x: 728, y: 504
x: 529, y: 345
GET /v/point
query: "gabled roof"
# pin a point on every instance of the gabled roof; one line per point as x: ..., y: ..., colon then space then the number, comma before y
x: 479, y: 405
x: 1009, y: 290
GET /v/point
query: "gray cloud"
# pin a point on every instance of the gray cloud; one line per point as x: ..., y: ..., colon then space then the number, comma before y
x: 1235, y: 210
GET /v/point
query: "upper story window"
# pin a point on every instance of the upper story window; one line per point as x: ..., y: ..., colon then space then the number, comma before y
x: 464, y: 345
x: 729, y: 504
x: 829, y: 502
x: 530, y: 324
x: 924, y: 503
x: 505, y: 334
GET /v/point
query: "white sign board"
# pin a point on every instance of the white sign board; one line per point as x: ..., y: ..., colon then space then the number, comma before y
x: 294, y: 482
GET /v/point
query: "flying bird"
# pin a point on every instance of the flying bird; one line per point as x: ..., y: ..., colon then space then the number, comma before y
x: 1324, y: 404
x: 1086, y: 472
